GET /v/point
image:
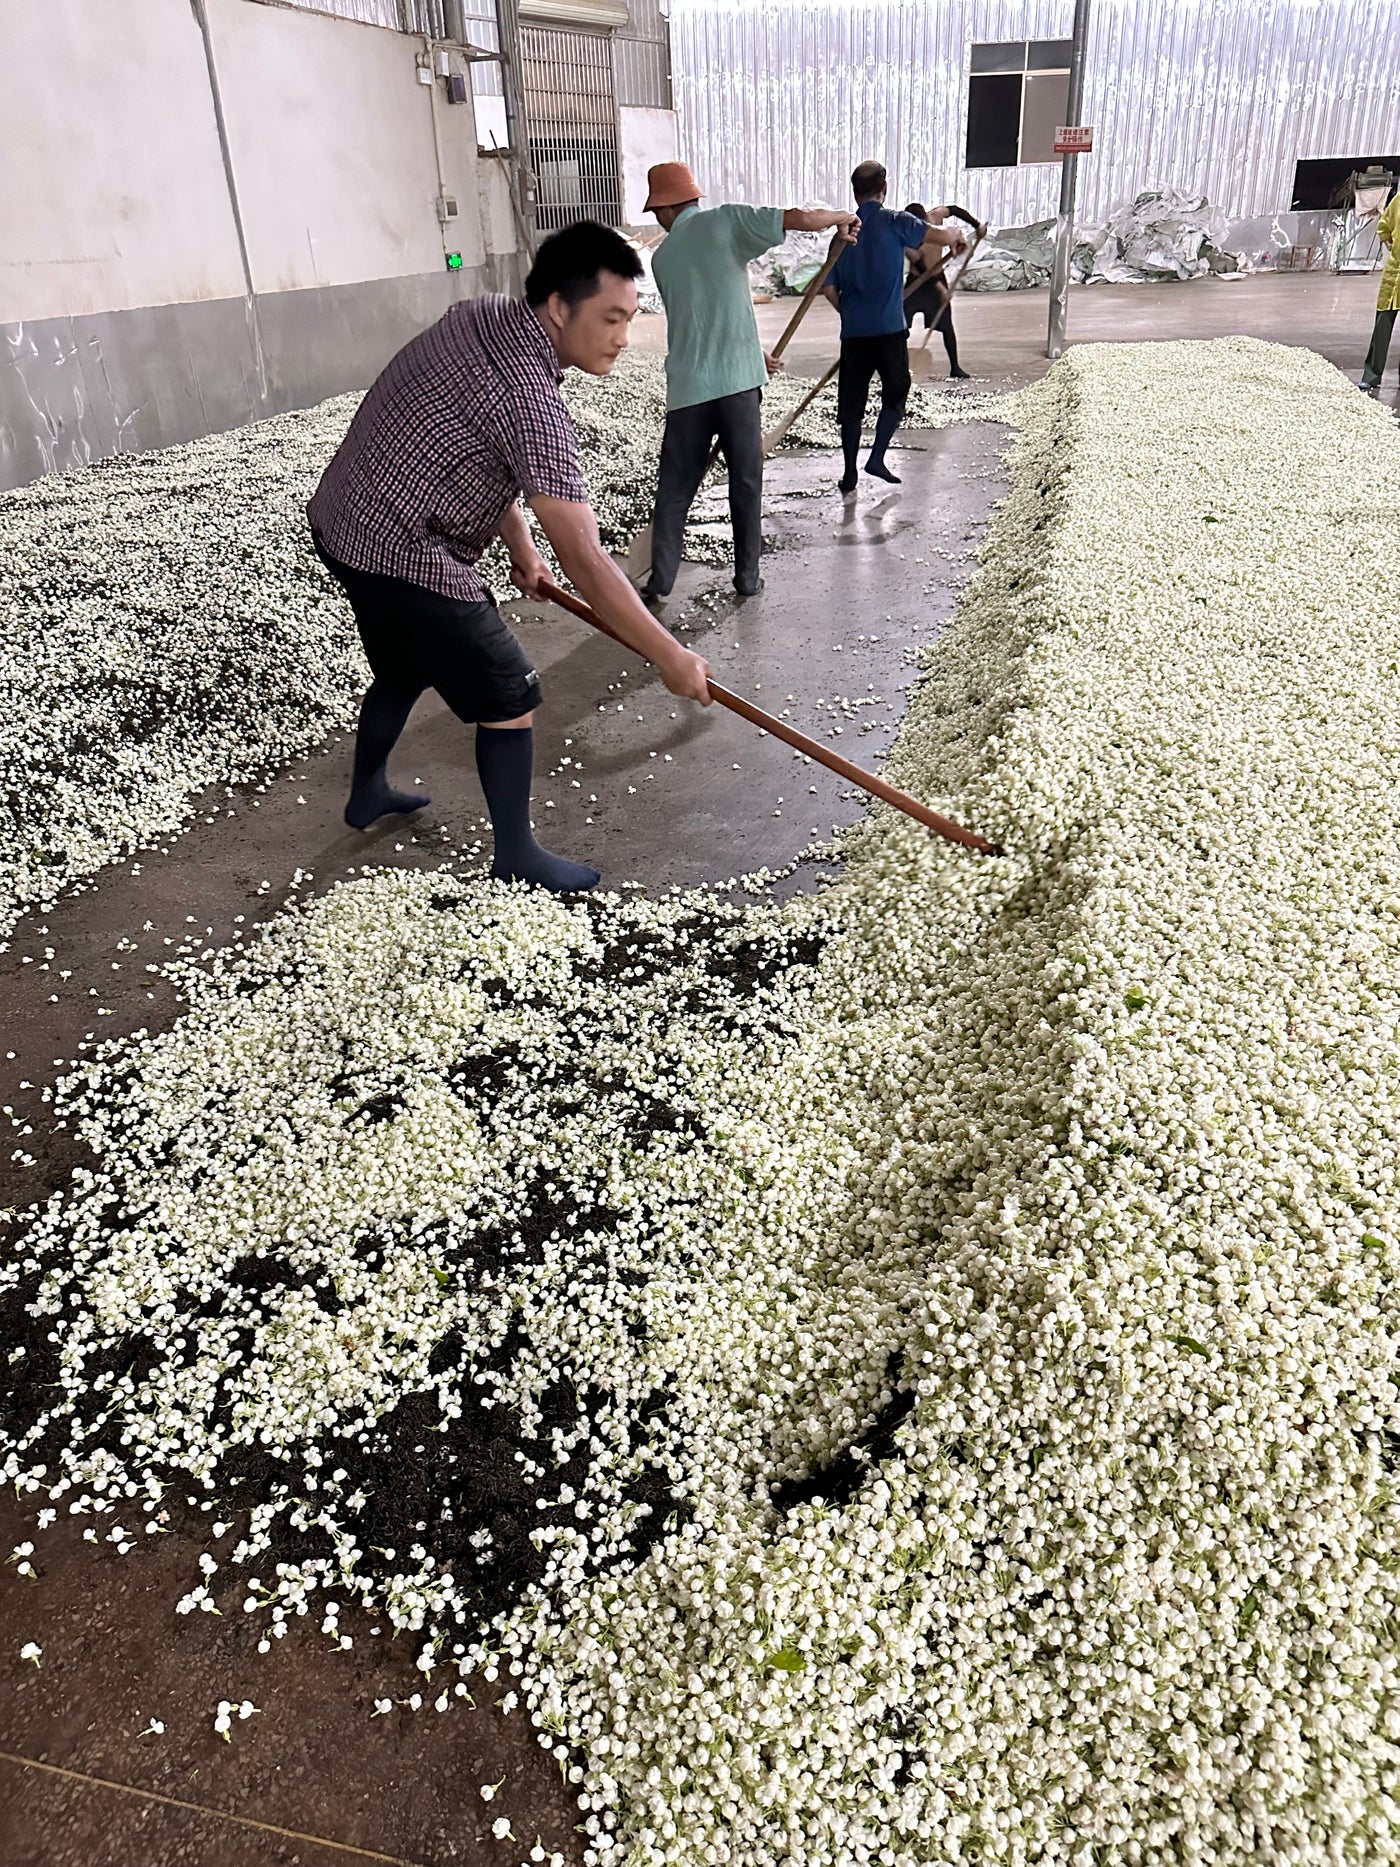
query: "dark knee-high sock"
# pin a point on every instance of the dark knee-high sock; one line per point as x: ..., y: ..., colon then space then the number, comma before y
x: 505, y: 761
x: 889, y: 420
x: 950, y: 344
x: 384, y: 713
x: 850, y: 448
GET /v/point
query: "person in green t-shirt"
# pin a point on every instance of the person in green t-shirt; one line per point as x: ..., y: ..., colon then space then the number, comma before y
x: 715, y: 363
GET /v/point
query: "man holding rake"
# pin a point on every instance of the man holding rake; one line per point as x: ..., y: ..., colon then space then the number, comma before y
x: 715, y: 363
x: 867, y: 288
x: 465, y: 420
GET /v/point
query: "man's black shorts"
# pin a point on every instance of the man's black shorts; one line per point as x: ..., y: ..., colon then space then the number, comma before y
x: 865, y: 357
x: 414, y: 638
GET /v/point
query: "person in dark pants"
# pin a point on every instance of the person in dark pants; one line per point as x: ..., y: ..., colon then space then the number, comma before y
x: 867, y: 288
x: 464, y: 420
x: 1388, y: 300
x: 715, y: 363
x: 933, y: 301
x: 686, y: 444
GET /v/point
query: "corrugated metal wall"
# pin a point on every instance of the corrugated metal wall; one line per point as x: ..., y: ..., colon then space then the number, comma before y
x: 390, y: 13
x: 642, y: 56
x: 779, y: 99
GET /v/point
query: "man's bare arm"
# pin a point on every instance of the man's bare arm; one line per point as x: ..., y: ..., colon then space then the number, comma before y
x: 573, y: 531
x: 818, y: 219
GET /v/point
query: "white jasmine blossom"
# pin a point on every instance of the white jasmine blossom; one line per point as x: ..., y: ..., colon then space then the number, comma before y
x: 947, y: 1326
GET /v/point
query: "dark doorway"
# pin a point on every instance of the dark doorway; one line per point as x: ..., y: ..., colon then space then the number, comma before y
x: 1323, y: 183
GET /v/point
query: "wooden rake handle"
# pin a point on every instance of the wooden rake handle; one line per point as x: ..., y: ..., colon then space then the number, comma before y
x: 815, y: 284
x: 867, y: 780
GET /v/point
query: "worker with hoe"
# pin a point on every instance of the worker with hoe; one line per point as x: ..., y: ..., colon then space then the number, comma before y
x: 715, y: 363
x: 1387, y: 300
x: 867, y: 288
x: 928, y: 293
x: 463, y: 421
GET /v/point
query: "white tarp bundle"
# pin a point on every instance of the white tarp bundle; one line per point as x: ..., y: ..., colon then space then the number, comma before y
x: 791, y: 267
x: 648, y: 296
x: 1013, y: 258
x: 1160, y: 235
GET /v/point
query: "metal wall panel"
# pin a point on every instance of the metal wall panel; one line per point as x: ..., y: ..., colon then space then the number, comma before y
x: 368, y: 12
x: 779, y: 99
x: 642, y: 57
x: 481, y: 26
x: 643, y: 69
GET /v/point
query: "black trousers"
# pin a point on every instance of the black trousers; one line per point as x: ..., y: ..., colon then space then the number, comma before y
x: 735, y: 422
x: 862, y: 359
x: 415, y: 638
x: 1374, y: 367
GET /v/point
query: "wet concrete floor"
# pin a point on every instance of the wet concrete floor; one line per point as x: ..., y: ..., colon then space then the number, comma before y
x: 657, y: 794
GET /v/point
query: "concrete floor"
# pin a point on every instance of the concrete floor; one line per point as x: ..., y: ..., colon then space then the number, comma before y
x: 1001, y: 335
x: 663, y: 795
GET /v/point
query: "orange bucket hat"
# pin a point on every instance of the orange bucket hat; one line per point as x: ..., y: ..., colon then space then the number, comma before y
x: 670, y: 184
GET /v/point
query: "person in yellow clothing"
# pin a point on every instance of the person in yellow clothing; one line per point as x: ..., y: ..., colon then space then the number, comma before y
x: 1388, y: 233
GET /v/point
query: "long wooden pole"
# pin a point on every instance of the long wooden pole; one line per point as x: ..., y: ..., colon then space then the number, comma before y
x: 867, y: 780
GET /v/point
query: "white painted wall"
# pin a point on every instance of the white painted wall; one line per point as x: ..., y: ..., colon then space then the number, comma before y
x: 495, y: 211
x: 332, y: 143
x: 113, y: 192
x: 647, y: 136
x: 115, y: 195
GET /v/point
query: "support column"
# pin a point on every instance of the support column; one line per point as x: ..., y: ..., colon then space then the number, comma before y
x: 1069, y: 178
x: 522, y: 179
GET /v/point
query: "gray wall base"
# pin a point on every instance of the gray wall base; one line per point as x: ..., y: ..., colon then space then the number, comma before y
x: 74, y: 390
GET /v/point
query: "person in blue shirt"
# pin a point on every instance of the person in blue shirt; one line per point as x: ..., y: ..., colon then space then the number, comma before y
x: 867, y: 288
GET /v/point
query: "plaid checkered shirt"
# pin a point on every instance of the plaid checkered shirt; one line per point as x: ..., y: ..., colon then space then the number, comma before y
x: 463, y: 420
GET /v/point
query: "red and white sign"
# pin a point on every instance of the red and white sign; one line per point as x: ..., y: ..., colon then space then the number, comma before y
x: 1074, y: 139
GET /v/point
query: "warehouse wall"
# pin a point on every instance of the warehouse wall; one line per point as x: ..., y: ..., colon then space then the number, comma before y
x: 778, y: 102
x: 113, y: 160
x: 129, y: 316
x: 646, y: 137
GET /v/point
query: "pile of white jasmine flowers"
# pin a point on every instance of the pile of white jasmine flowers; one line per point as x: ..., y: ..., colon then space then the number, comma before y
x: 903, y: 1376
x: 166, y: 625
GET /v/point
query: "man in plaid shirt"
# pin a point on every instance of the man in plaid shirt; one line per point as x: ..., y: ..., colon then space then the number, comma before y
x: 464, y: 420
